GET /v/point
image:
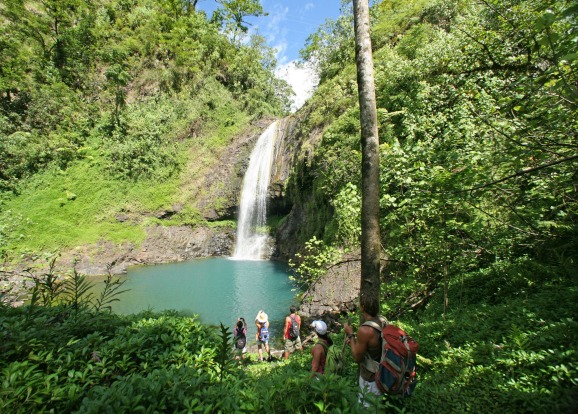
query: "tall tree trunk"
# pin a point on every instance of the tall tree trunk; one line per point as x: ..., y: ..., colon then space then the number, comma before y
x: 370, y: 237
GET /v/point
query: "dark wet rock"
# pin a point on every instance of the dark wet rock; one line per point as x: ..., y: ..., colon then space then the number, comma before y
x: 169, y: 212
x: 122, y: 217
x: 335, y: 292
x: 161, y: 245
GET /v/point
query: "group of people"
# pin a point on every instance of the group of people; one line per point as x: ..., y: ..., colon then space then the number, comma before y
x: 365, y: 344
x: 291, y: 335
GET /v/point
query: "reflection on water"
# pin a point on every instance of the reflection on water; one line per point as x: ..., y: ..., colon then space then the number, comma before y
x: 217, y: 289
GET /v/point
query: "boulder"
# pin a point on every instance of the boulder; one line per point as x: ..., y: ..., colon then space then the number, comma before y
x: 335, y: 292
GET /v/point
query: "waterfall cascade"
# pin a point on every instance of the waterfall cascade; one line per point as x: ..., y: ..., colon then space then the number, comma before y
x: 251, y: 231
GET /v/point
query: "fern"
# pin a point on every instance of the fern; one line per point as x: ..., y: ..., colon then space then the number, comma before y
x: 110, y: 293
x: 223, y: 358
x: 77, y: 290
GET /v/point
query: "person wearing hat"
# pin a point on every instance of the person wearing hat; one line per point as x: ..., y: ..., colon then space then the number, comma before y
x: 262, y: 336
x: 319, y: 350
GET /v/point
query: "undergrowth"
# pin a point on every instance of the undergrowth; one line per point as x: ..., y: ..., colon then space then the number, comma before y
x: 516, y: 355
x: 507, y: 341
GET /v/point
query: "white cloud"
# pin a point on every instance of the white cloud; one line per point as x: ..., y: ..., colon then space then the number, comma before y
x: 280, y: 53
x: 275, y: 30
x: 301, y: 78
x: 276, y: 17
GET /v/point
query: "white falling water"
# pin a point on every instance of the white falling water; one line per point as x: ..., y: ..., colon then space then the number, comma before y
x: 251, y: 234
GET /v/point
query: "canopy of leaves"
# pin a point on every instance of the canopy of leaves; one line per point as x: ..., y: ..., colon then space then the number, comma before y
x: 477, y: 105
x: 75, y: 71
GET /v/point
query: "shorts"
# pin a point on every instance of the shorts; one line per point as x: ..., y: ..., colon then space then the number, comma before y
x: 367, y: 387
x: 292, y: 344
x: 239, y: 352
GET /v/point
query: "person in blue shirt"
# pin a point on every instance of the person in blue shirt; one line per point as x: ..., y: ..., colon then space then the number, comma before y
x: 262, y: 336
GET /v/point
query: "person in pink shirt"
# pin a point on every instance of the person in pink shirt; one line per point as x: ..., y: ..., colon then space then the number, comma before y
x: 319, y: 350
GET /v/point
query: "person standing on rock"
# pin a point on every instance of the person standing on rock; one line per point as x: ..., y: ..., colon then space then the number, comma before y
x: 292, y: 332
x: 262, y: 336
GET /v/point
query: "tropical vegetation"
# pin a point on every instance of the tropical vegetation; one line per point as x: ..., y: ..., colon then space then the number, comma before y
x: 477, y: 109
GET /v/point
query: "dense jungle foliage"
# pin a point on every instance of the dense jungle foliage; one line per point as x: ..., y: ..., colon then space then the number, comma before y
x: 478, y: 129
x: 103, y: 105
x: 477, y: 104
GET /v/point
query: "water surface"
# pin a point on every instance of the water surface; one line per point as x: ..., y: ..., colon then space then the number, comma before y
x: 217, y: 289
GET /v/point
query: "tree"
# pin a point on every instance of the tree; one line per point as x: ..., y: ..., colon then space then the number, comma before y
x: 330, y: 48
x: 179, y: 7
x: 370, y: 235
x: 236, y: 11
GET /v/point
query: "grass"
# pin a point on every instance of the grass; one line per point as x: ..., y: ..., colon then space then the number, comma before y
x: 61, y: 209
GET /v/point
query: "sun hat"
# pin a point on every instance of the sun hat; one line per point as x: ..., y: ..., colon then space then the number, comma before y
x: 320, y: 327
x: 261, y: 317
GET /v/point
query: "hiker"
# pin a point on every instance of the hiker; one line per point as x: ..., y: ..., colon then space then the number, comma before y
x: 292, y: 332
x: 319, y: 350
x: 367, y: 347
x: 240, y: 339
x: 262, y: 336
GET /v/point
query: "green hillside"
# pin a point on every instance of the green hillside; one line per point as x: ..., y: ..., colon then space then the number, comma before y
x: 477, y: 104
x: 477, y: 119
x: 116, y: 106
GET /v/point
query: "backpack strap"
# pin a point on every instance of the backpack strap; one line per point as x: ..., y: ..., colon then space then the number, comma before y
x: 373, y: 324
x: 369, y: 363
x: 323, y: 344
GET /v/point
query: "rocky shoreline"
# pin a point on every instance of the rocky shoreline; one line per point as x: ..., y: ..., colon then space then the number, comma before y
x: 331, y: 295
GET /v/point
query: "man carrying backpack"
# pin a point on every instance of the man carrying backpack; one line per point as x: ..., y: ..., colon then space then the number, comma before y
x: 366, y: 348
x: 292, y: 332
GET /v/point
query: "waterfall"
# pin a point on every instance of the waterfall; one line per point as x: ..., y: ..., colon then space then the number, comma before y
x: 251, y: 231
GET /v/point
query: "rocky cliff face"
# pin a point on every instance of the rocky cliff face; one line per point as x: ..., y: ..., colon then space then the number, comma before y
x: 295, y: 148
x: 339, y: 289
x: 336, y: 292
x: 162, y: 245
x: 217, y: 198
x: 217, y: 195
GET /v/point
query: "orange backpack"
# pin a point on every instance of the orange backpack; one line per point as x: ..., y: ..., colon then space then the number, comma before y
x: 395, y: 373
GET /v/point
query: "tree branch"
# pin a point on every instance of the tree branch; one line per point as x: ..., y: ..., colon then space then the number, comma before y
x: 523, y: 172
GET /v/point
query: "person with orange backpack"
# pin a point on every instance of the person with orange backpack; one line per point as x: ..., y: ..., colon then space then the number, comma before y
x: 366, y: 347
x: 385, y: 353
x: 292, y: 332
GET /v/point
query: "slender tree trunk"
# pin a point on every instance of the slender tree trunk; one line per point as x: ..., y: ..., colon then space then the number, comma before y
x: 370, y: 237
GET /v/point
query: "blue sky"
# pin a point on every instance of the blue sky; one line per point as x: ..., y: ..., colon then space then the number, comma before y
x: 286, y: 29
x: 289, y: 22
